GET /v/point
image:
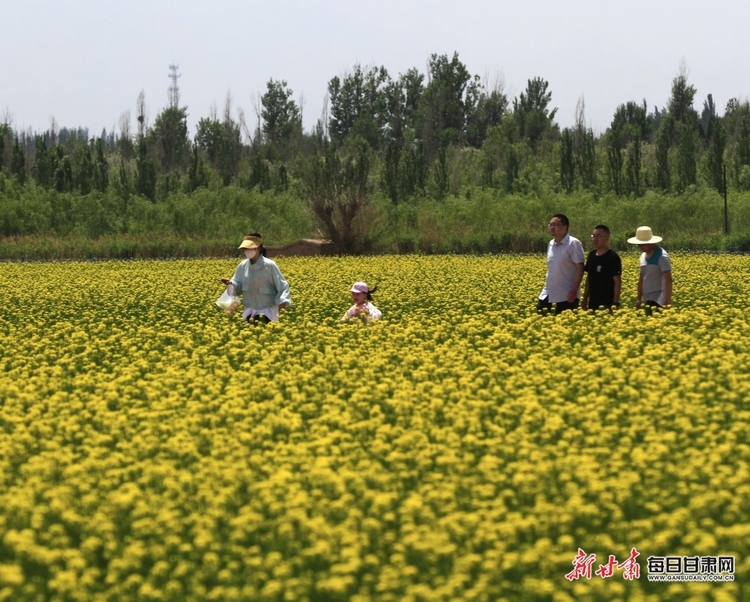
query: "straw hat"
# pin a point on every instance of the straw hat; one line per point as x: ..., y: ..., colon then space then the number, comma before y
x: 644, y: 236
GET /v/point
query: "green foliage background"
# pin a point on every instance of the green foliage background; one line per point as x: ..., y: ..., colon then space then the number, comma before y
x: 450, y: 164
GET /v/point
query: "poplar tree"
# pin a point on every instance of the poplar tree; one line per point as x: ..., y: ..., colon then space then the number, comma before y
x: 567, y: 163
x: 584, y: 148
x: 101, y: 167
x: 281, y: 116
x: 633, y: 165
x: 716, y: 153
x: 448, y: 101
x: 358, y: 105
x: 663, y: 174
x: 532, y: 111
x: 42, y: 164
x: 686, y: 165
x: 615, y: 160
x: 84, y: 168
x: 145, y: 183
x: 18, y: 162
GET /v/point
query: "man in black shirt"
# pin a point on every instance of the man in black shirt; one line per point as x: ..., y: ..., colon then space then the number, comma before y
x: 603, y: 273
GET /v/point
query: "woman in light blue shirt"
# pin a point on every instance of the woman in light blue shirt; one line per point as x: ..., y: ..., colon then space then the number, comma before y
x: 258, y: 279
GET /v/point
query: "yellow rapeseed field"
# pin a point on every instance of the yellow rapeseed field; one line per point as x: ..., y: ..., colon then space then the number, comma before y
x: 462, y: 448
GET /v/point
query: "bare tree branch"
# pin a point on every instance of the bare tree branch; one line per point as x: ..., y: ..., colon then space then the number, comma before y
x: 140, y: 111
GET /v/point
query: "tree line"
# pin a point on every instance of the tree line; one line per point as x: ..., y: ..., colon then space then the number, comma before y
x: 401, y: 138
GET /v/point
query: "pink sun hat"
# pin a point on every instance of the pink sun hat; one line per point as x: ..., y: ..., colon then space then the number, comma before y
x: 359, y: 287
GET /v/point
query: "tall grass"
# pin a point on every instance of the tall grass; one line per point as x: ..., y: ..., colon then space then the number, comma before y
x: 42, y: 224
x: 485, y: 221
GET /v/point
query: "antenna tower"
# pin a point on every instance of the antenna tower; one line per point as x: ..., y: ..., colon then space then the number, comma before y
x: 174, y: 90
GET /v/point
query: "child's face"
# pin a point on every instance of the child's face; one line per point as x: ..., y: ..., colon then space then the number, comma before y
x: 359, y: 298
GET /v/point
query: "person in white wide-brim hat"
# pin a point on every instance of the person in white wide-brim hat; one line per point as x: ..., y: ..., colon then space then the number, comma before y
x: 655, y: 280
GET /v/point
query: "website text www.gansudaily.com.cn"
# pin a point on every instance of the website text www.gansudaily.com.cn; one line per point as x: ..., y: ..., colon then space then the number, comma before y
x: 714, y: 578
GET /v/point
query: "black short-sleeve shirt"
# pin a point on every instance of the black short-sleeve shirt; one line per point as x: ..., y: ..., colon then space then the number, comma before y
x: 601, y: 270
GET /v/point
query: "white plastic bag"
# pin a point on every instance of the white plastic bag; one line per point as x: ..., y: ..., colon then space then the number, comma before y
x: 228, y: 303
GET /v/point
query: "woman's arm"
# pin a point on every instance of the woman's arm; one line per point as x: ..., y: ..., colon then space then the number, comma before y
x: 283, y: 294
x: 234, y: 284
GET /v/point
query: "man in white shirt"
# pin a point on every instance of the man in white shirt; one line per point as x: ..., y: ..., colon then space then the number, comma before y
x: 562, y: 286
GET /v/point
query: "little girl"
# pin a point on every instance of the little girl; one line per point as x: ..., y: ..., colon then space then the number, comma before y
x: 362, y: 309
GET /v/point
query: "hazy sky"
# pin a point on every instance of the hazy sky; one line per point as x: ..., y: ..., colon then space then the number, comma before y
x: 85, y: 61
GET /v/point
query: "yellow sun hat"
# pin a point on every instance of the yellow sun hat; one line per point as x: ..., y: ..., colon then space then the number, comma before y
x: 251, y: 242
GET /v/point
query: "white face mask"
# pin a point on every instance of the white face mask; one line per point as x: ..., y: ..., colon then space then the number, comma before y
x: 251, y: 253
